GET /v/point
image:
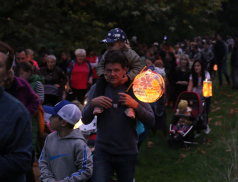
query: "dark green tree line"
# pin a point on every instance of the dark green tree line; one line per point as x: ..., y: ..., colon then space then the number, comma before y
x: 69, y: 24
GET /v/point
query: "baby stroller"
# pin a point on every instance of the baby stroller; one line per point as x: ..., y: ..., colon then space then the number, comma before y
x: 198, y: 119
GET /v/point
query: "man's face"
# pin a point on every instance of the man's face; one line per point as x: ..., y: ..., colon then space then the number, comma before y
x: 114, y: 73
x: 3, y: 71
x: 21, y: 57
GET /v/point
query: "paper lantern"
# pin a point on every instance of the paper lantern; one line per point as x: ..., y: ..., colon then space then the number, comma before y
x: 207, y: 88
x: 215, y: 67
x: 148, y: 86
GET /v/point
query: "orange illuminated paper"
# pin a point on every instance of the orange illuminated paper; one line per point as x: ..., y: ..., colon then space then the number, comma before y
x: 148, y: 86
x: 207, y: 88
x: 215, y: 67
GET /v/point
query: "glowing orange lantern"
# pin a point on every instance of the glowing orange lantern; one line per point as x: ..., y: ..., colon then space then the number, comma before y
x: 215, y: 67
x: 148, y: 86
x: 207, y: 88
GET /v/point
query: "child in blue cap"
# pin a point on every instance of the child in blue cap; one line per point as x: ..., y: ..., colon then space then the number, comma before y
x: 65, y: 156
x: 116, y: 40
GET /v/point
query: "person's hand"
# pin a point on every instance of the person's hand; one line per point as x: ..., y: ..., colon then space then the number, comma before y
x: 127, y: 100
x: 101, y: 101
x: 124, y: 79
x: 90, y: 80
x: 183, y: 82
x: 57, y: 85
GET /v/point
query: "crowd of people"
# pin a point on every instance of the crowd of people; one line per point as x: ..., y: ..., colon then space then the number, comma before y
x: 43, y: 99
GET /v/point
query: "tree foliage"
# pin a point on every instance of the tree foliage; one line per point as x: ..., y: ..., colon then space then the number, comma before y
x: 69, y: 24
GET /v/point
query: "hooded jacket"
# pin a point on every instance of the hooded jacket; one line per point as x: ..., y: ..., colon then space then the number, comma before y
x: 134, y: 63
x: 65, y: 159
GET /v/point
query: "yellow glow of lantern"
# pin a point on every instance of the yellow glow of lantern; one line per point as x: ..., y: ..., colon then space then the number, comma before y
x: 215, y: 67
x: 78, y: 124
x: 148, y: 86
x: 207, y: 88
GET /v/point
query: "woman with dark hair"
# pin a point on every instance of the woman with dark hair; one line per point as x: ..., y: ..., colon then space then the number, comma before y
x: 182, y: 76
x: 196, y: 83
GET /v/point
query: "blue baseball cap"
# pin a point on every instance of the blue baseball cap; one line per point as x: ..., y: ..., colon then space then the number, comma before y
x: 66, y: 110
x: 115, y: 35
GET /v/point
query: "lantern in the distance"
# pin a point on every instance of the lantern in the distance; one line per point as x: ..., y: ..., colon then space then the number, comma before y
x: 207, y: 88
x: 215, y: 67
x: 148, y: 86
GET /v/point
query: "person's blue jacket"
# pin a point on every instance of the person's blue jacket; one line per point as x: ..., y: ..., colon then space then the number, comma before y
x: 15, y: 139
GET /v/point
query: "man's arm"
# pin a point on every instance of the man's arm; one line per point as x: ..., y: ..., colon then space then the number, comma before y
x: 46, y: 174
x: 84, y: 163
x: 17, y: 159
x: 143, y: 110
x: 145, y: 114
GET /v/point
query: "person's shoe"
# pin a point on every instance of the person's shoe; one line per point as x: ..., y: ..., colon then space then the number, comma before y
x: 180, y: 132
x: 130, y: 113
x: 172, y: 131
x: 97, y: 110
x: 207, y: 131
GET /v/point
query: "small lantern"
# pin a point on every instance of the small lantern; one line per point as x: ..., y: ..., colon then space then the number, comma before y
x: 215, y: 67
x: 148, y: 86
x: 207, y: 88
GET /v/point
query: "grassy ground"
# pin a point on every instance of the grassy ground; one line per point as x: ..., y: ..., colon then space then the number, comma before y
x: 215, y: 158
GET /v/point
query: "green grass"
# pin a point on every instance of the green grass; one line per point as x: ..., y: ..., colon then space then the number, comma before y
x: 214, y: 161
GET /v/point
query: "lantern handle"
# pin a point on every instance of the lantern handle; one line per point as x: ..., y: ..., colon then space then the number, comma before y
x: 134, y: 79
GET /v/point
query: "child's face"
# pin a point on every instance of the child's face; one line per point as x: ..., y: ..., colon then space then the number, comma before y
x: 24, y: 74
x: 55, y: 122
x: 181, y: 111
x: 115, y: 45
x: 148, y: 62
x: 91, y: 148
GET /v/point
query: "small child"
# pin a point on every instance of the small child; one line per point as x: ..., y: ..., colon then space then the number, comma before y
x: 160, y: 67
x: 183, y: 123
x: 65, y: 156
x: 117, y: 40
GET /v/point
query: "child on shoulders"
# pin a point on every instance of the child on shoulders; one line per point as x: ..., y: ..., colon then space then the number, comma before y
x: 117, y: 40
